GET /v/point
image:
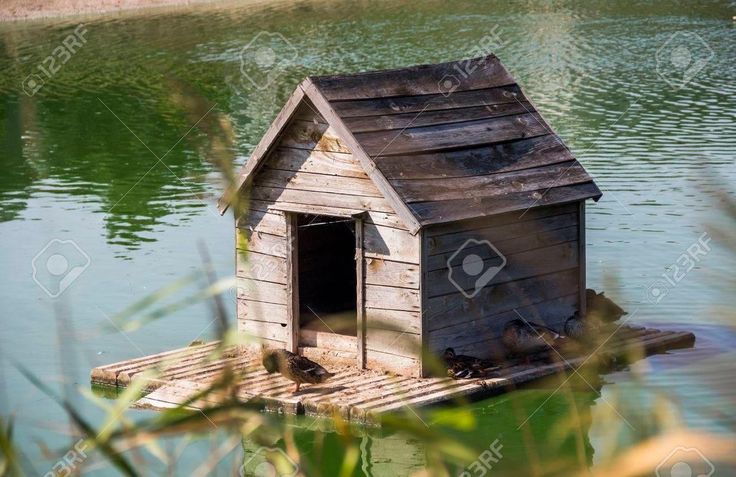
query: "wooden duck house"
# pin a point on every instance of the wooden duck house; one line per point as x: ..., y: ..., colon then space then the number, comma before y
x: 388, y: 215
x: 383, y: 218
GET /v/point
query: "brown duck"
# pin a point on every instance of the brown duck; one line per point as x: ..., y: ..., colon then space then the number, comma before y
x: 602, y: 307
x: 583, y: 330
x: 294, y: 367
x: 523, y: 338
x: 460, y: 366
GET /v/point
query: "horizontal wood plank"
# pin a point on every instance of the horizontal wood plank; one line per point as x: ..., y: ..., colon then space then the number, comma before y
x: 390, y: 273
x: 476, y: 73
x: 317, y: 162
x: 451, y: 242
x: 450, y: 136
x: 455, y: 308
x: 259, y: 311
x: 264, y: 221
x: 261, y: 291
x: 385, y: 219
x: 311, y: 209
x: 308, y: 181
x: 518, y: 266
x: 501, y: 219
x: 491, y: 185
x: 435, y: 212
x: 391, y: 298
x: 267, y: 244
x: 312, y: 136
x: 390, y: 244
x: 397, y: 320
x: 264, y: 329
x: 261, y: 267
x: 398, y: 343
x: 327, y: 340
x: 428, y: 102
x: 479, y: 335
x: 401, y: 365
x: 532, y: 241
x: 476, y: 161
x: 436, y: 117
x: 324, y: 199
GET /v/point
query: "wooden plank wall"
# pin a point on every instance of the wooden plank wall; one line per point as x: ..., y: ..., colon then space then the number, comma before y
x: 311, y: 171
x: 540, y: 280
x: 261, y: 261
x: 392, y: 298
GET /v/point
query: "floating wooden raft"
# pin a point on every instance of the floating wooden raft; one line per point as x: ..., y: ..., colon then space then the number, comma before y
x: 357, y: 395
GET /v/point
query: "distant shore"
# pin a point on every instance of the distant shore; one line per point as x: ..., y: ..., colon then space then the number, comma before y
x: 13, y: 10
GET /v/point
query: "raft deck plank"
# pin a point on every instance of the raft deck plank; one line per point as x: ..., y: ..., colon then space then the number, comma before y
x: 358, y: 395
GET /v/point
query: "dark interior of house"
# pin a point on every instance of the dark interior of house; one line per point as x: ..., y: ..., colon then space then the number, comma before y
x: 327, y: 274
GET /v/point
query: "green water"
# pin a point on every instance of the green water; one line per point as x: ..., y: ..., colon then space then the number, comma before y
x: 78, y: 162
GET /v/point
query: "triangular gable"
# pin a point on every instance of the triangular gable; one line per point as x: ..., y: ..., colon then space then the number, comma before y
x: 307, y: 90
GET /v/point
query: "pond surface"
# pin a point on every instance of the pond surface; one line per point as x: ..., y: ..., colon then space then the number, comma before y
x: 643, y: 93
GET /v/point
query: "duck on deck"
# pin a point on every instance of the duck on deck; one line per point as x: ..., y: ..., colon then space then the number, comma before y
x: 387, y: 216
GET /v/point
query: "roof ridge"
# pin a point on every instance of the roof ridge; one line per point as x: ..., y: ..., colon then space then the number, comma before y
x: 404, y: 68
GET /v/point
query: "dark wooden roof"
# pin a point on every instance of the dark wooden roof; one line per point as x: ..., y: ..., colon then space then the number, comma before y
x: 446, y: 142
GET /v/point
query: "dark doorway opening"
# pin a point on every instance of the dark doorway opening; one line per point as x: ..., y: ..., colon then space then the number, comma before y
x: 327, y: 274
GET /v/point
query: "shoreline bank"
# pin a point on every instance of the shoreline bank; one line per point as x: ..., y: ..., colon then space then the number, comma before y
x: 30, y: 10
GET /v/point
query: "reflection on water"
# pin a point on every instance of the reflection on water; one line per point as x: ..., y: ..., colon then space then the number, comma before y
x: 592, y: 72
x: 79, y: 152
x: 554, y: 440
x: 80, y: 159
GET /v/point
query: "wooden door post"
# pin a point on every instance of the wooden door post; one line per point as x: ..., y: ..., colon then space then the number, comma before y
x: 292, y: 283
x: 359, y: 293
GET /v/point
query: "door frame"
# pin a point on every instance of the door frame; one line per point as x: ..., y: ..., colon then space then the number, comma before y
x: 360, y: 293
x: 292, y: 282
x: 292, y: 285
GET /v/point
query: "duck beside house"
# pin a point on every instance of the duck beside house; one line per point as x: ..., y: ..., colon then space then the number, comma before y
x: 389, y: 215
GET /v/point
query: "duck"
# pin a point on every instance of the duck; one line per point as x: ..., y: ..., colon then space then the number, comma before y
x: 460, y: 366
x: 603, y: 307
x: 524, y: 338
x: 294, y: 367
x: 583, y: 330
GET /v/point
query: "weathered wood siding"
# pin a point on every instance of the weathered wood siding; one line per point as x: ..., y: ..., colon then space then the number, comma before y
x: 539, y: 282
x: 392, y: 297
x: 311, y: 171
x: 261, y: 249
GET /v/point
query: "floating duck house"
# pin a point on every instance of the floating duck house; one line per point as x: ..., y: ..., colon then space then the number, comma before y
x: 388, y: 215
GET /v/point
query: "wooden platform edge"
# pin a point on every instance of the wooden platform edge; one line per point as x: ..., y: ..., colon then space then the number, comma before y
x: 190, y: 366
x: 491, y: 387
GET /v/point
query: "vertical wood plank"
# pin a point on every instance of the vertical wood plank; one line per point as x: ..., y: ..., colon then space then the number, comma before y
x: 360, y: 292
x: 581, y: 257
x: 423, y: 303
x: 292, y: 283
